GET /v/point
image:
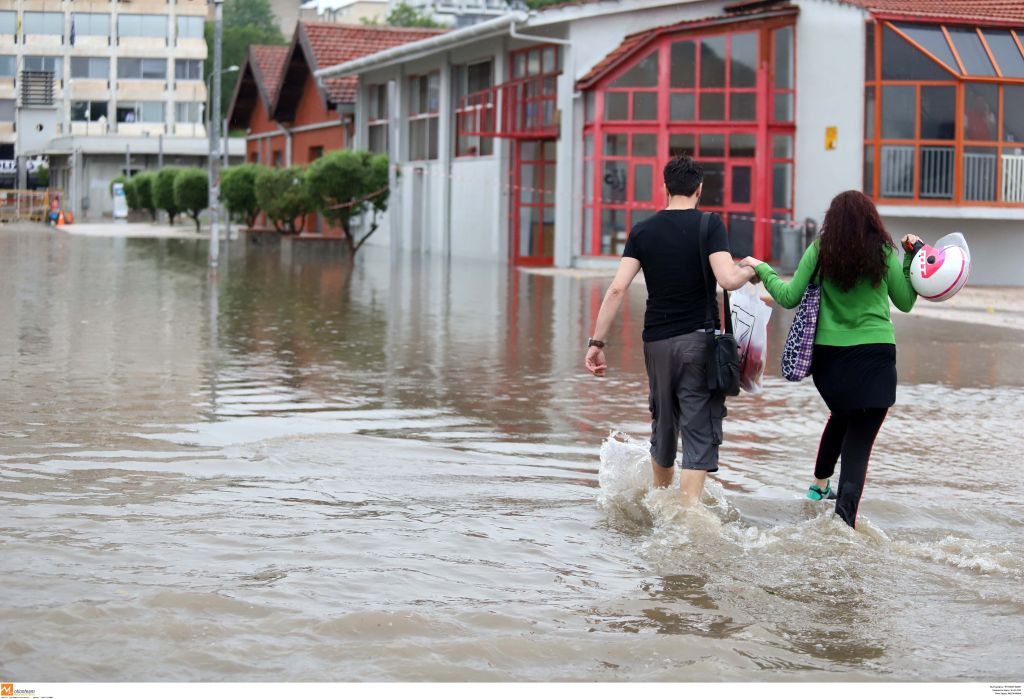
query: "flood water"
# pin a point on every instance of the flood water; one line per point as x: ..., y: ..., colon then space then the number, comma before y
x: 298, y: 470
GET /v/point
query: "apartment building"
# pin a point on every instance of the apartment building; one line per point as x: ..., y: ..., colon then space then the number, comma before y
x: 98, y: 88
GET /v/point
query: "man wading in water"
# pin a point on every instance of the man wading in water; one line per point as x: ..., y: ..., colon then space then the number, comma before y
x: 667, y: 248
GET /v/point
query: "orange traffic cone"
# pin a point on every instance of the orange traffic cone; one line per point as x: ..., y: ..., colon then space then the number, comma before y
x: 60, y: 218
x: 70, y: 218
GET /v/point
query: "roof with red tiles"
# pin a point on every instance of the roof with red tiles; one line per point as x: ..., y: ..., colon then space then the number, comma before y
x: 981, y: 11
x: 326, y: 44
x: 259, y: 79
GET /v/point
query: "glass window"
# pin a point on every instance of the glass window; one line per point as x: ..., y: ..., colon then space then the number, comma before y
x: 7, y: 111
x: 712, y: 106
x: 783, y: 110
x: 712, y: 62
x: 972, y: 52
x: 979, y: 174
x: 8, y: 22
x: 645, y: 106
x: 869, y: 170
x: 782, y: 185
x: 188, y: 112
x: 8, y: 66
x: 981, y: 104
x: 614, y: 181
x: 190, y: 27
x: 712, y: 145
x: 88, y: 111
x: 743, y: 106
x: 44, y: 23
x: 92, y: 68
x: 784, y: 58
x: 869, y: 113
x: 548, y: 59
x: 91, y: 23
x: 898, y: 110
x: 616, y: 106
x: 378, y: 102
x: 142, y: 69
x: 142, y: 25
x: 1006, y: 53
x: 681, y: 144
x: 782, y: 146
x: 901, y: 61
x: 930, y: 36
x: 683, y: 62
x: 151, y: 112
x: 643, y: 182
x: 1013, y: 113
x: 743, y: 60
x: 645, y: 146
x: 188, y: 69
x: 643, y: 74
x: 50, y: 64
x: 616, y: 145
x: 681, y: 106
x: 938, y: 112
x: 741, y: 145
x: 713, y: 191
x: 869, y: 53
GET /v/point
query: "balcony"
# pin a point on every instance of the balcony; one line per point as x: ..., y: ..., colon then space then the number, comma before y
x: 928, y: 174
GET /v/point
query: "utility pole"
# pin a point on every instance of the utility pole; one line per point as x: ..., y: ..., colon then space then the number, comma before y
x: 218, y: 27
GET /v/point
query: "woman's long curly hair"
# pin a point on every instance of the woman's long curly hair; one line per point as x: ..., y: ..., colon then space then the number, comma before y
x: 853, y: 242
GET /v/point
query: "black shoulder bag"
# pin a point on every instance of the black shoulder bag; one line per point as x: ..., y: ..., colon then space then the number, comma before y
x: 723, y: 362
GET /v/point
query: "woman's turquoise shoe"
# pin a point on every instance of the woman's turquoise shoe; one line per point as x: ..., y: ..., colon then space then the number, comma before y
x: 816, y: 493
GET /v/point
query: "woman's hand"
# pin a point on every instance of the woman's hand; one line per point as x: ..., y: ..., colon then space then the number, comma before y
x: 595, y: 362
x: 750, y: 261
x: 909, y: 241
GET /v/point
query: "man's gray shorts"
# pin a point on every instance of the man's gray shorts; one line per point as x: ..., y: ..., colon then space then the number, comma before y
x: 681, y: 402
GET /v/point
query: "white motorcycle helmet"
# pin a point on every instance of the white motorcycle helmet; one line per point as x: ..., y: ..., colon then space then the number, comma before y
x: 938, y: 273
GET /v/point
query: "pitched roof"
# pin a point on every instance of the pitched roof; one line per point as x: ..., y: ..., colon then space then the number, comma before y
x: 634, y: 43
x: 259, y: 78
x: 980, y: 11
x: 329, y: 44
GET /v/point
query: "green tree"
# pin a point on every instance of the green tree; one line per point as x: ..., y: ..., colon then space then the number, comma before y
x: 405, y: 15
x: 163, y: 191
x: 41, y: 176
x: 250, y: 13
x: 143, y: 183
x: 345, y: 184
x: 283, y: 194
x: 192, y: 192
x: 238, y: 190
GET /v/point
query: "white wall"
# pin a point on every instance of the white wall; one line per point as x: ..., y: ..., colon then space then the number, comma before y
x: 830, y: 92
x: 476, y: 193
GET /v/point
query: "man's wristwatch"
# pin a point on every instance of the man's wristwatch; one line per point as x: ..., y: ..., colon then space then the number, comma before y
x: 591, y: 342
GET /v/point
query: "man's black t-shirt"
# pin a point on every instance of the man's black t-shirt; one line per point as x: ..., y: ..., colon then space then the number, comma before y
x: 668, y: 249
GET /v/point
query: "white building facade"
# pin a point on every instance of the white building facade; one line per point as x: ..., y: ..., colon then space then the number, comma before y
x: 539, y: 138
x: 86, y: 83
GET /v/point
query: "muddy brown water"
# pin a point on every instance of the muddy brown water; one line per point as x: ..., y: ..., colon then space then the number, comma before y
x: 298, y: 470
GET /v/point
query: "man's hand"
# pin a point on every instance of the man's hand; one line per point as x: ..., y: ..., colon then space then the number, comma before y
x: 595, y: 361
x: 750, y: 262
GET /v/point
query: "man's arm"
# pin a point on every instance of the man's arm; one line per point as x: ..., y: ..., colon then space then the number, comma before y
x: 628, y: 269
x: 730, y: 276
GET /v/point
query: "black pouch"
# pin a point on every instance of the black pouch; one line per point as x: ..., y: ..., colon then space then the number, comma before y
x: 723, y: 362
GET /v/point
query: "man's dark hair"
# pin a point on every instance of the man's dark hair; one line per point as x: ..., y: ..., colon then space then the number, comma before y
x: 683, y: 175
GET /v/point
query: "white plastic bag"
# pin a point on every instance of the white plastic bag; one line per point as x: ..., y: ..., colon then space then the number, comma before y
x: 750, y: 326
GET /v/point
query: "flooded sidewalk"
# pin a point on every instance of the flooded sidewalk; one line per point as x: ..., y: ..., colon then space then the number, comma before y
x: 399, y: 470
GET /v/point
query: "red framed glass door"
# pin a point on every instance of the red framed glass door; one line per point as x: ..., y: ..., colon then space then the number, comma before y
x: 533, y: 202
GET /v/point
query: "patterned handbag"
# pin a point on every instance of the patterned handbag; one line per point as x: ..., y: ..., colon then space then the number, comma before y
x: 799, y: 349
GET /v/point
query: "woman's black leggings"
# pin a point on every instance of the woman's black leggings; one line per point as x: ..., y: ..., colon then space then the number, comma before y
x: 850, y: 434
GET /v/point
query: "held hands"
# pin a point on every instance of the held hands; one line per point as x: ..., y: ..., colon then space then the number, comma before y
x: 909, y: 241
x: 748, y: 264
x: 595, y: 362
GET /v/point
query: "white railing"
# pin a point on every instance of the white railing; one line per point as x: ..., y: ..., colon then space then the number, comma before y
x: 937, y: 165
x: 1013, y: 178
x: 979, y: 176
x: 897, y: 171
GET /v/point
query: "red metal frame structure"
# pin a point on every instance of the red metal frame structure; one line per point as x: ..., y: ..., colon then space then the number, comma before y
x: 722, y: 92
x: 963, y: 88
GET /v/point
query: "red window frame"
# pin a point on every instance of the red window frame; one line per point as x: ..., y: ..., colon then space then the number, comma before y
x: 761, y: 211
x: 474, y: 118
x: 961, y: 145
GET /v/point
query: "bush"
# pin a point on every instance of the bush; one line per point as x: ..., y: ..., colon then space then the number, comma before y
x: 131, y: 196
x: 282, y: 193
x: 345, y: 184
x: 192, y: 192
x: 143, y: 183
x: 163, y: 191
x: 41, y: 176
x: 238, y: 191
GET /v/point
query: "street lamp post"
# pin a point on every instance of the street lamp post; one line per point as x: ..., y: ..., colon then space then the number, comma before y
x: 218, y: 26
x: 212, y: 190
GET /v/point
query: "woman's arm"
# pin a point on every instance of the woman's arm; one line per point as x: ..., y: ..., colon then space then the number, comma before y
x: 787, y: 295
x: 897, y: 278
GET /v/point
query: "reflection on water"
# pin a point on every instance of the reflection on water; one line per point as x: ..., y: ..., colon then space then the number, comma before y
x: 298, y: 469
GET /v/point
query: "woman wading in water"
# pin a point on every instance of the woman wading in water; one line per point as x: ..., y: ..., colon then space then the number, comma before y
x: 854, y: 361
